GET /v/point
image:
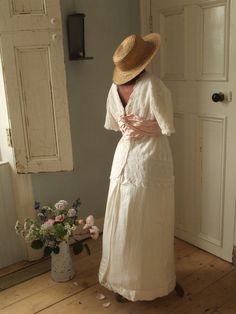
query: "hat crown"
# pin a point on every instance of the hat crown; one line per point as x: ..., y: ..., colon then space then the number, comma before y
x: 131, y: 52
x: 133, y: 55
x: 124, y: 48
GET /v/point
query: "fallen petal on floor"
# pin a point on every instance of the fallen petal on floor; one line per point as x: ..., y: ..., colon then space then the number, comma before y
x: 75, y: 283
x: 107, y: 304
x: 100, y: 296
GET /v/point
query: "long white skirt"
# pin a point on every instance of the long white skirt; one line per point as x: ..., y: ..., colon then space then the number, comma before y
x: 138, y: 238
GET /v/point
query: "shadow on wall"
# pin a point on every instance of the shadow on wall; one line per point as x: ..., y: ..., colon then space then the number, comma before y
x: 107, y: 23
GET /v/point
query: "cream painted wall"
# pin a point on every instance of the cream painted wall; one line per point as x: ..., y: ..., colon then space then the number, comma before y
x: 107, y: 22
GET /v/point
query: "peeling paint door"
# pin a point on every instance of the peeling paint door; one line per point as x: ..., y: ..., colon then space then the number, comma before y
x: 29, y: 14
x: 32, y: 58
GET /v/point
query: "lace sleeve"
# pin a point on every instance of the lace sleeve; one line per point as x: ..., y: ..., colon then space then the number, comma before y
x: 110, y: 121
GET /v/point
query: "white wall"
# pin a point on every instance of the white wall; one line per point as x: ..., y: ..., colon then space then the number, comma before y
x: 107, y: 22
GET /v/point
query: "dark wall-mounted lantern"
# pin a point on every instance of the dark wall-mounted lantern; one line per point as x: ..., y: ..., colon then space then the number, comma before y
x: 76, y: 42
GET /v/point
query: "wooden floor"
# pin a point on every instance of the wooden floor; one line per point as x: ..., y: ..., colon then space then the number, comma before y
x: 209, y: 283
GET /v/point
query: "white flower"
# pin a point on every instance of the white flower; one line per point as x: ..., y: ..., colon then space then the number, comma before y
x: 22, y: 233
x: 73, y: 227
x: 71, y: 212
x: 61, y: 205
x: 28, y: 222
x: 46, y: 228
x: 47, y: 208
x: 26, y: 225
x: 18, y: 227
x: 69, y: 228
x: 30, y: 236
x: 89, y: 222
x: 17, y: 231
x: 94, y: 232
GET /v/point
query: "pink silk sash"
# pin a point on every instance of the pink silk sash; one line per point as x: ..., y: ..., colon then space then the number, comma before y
x: 133, y: 126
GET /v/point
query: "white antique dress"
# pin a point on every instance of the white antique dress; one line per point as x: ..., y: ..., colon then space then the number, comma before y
x: 138, y: 236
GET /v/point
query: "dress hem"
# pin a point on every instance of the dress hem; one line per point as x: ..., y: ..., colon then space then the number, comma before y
x: 140, y: 295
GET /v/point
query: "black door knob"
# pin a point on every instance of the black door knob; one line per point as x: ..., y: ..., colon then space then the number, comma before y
x: 218, y: 97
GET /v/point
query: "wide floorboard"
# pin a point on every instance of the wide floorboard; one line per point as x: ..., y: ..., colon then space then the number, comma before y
x: 209, y: 283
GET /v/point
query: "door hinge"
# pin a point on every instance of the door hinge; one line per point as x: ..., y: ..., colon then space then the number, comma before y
x: 150, y: 23
x: 9, y: 137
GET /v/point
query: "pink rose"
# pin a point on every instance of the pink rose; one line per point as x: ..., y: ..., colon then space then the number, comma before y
x: 94, y: 232
x: 60, y: 217
x: 50, y: 221
x: 89, y: 222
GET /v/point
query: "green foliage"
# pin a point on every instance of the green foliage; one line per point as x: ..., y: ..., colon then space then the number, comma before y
x: 47, y: 251
x: 78, y: 247
x: 56, y: 249
x: 36, y: 244
x: 60, y: 231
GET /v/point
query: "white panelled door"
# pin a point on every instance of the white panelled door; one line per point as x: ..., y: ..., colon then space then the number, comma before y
x: 198, y: 59
x: 35, y: 68
x: 32, y: 56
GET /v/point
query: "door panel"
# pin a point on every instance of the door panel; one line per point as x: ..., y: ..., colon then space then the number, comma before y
x: 172, y: 25
x: 213, y: 41
x: 29, y: 14
x: 28, y: 7
x: 194, y: 63
x: 36, y: 90
x: 212, y: 172
x: 33, y: 65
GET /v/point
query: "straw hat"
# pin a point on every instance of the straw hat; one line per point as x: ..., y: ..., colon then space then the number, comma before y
x: 133, y: 55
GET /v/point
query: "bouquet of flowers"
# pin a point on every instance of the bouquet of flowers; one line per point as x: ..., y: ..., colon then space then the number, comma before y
x: 55, y: 224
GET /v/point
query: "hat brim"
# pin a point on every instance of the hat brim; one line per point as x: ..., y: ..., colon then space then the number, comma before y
x: 121, y: 77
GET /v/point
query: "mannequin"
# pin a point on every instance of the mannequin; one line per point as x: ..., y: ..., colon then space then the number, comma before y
x: 138, y: 236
